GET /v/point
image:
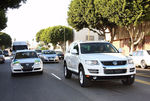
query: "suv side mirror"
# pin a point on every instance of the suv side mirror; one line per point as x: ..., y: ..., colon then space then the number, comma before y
x: 120, y: 50
x: 74, y: 51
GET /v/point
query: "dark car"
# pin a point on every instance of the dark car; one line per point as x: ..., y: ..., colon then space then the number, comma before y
x: 60, y: 54
x: 39, y: 52
x: 2, y: 57
x: 5, y: 52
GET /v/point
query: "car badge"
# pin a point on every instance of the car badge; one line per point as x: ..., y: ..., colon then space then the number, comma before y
x: 27, y: 64
x: 114, y: 62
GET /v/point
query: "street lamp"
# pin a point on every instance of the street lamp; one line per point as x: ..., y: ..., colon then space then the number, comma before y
x: 64, y: 39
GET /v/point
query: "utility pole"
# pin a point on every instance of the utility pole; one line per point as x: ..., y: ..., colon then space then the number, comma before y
x: 64, y: 40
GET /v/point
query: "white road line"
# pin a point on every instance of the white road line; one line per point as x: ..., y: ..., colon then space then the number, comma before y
x: 56, y: 76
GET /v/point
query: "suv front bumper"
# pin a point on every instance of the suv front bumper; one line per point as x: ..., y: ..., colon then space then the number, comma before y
x: 103, y: 78
x: 110, y: 71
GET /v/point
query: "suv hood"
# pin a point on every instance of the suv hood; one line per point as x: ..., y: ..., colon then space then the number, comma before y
x: 104, y: 56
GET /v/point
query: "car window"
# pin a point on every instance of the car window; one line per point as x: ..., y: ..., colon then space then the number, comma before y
x: 139, y: 53
x: 49, y: 52
x: 134, y: 53
x: 21, y: 55
x: 38, y: 51
x: 77, y: 48
x: 59, y: 52
x: 97, y: 48
x: 148, y: 51
x: 1, y: 53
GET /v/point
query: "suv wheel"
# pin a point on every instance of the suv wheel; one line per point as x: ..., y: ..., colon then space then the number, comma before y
x: 129, y: 80
x: 84, y: 82
x: 67, y: 73
x: 143, y: 64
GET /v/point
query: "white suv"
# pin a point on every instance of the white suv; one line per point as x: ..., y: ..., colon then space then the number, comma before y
x: 94, y: 61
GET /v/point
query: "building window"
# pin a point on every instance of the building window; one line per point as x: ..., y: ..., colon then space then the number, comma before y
x: 91, y: 38
x: 100, y: 37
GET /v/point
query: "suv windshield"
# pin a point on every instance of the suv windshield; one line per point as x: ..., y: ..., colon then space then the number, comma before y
x: 97, y: 48
x: 22, y: 55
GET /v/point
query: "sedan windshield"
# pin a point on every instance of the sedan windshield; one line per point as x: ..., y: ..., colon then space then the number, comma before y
x: 22, y: 55
x: 97, y: 48
x: 49, y: 52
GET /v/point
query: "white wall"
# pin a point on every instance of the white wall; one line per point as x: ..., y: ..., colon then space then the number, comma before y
x: 82, y: 34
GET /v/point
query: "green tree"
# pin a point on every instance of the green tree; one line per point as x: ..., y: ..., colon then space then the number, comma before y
x: 5, y: 40
x: 4, y: 5
x: 55, y: 35
x: 129, y: 14
x: 75, y: 15
x: 86, y: 14
x: 38, y: 35
x: 60, y: 34
x: 3, y: 20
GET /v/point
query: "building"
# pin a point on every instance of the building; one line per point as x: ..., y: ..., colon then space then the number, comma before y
x: 86, y: 35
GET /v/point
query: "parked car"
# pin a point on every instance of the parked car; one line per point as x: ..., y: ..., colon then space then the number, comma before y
x: 2, y: 57
x: 26, y: 61
x: 39, y: 52
x: 94, y: 61
x: 141, y: 58
x: 60, y: 54
x: 49, y: 56
x: 6, y: 53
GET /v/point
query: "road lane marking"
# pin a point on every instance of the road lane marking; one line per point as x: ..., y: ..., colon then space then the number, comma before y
x: 143, y: 82
x: 140, y: 74
x: 56, y: 76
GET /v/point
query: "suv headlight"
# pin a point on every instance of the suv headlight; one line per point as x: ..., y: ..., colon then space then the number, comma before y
x: 130, y: 61
x: 91, y: 62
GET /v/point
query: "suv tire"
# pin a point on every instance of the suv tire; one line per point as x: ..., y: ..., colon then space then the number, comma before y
x: 129, y: 80
x: 84, y: 82
x: 67, y: 73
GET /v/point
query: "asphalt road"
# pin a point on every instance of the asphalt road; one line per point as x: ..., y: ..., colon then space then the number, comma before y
x: 52, y: 86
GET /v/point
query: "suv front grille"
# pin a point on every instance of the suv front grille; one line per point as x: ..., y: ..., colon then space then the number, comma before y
x: 113, y: 63
x: 115, y: 71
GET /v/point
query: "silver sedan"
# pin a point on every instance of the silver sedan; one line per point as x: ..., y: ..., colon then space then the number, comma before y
x: 26, y: 61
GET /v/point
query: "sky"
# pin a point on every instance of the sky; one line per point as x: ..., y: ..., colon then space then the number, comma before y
x: 24, y: 22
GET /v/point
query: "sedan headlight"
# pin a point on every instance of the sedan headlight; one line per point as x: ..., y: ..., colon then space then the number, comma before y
x: 56, y: 57
x: 15, y: 63
x: 130, y: 61
x: 45, y: 58
x: 37, y: 62
x: 91, y: 62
